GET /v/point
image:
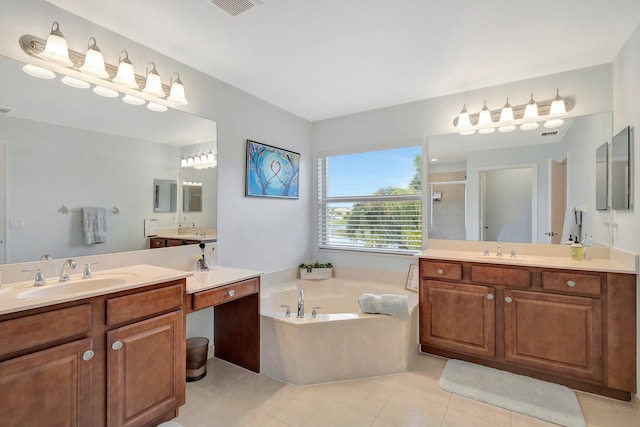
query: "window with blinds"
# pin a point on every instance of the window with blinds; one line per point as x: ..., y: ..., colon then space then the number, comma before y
x: 371, y: 201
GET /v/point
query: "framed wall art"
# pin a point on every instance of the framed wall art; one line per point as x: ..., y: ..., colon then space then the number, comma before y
x: 271, y: 171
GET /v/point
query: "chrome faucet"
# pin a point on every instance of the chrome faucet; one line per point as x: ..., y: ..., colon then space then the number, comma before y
x: 301, y: 304
x: 68, y: 265
x: 39, y: 280
x: 499, y: 251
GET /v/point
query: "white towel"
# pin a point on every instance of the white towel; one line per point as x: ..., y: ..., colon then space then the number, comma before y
x: 94, y: 225
x: 393, y: 305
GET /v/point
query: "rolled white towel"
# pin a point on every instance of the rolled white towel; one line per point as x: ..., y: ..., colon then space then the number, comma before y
x: 393, y: 305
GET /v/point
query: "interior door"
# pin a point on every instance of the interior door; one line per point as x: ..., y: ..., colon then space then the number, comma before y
x: 507, y: 204
x: 557, y: 200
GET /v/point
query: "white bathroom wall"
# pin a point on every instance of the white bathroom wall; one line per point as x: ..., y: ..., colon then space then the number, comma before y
x: 590, y: 87
x: 49, y: 166
x: 626, y: 112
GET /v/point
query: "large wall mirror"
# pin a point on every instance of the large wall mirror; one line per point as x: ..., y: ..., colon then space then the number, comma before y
x: 524, y: 186
x: 67, y: 148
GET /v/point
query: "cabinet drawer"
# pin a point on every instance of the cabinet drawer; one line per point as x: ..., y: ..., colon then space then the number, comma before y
x: 155, y: 242
x: 441, y: 270
x: 225, y: 293
x: 136, y: 306
x: 30, y: 331
x: 505, y: 276
x: 573, y: 283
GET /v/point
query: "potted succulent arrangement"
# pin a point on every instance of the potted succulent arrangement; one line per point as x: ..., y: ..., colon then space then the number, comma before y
x: 315, y: 270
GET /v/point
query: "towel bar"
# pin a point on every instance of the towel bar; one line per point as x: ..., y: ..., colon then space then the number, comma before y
x: 66, y: 210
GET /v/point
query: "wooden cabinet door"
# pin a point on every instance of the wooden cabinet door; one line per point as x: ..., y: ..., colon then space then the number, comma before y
x: 145, y: 370
x: 50, y: 387
x: 556, y: 333
x: 458, y: 317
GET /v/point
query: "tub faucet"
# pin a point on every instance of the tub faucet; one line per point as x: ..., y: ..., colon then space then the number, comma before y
x: 68, y: 265
x: 301, y: 304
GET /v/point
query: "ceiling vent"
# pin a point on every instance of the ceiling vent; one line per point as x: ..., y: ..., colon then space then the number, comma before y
x: 4, y: 110
x: 552, y: 133
x: 235, y: 7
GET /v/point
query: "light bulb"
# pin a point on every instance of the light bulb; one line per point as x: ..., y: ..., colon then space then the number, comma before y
x: 153, y: 84
x: 176, y: 91
x: 56, y: 49
x: 557, y: 106
x: 94, y: 61
x: 484, y: 120
x: 126, y: 75
x: 531, y: 116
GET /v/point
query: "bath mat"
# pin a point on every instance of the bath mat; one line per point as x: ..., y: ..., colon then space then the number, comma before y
x: 540, y: 399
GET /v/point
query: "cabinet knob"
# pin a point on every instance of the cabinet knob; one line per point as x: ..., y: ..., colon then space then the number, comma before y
x: 88, y: 355
x: 490, y: 296
x: 232, y: 292
x: 571, y: 283
x: 508, y: 300
x: 117, y: 345
x: 440, y: 271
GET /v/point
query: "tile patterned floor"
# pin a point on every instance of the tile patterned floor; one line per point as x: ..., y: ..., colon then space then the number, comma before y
x: 232, y: 396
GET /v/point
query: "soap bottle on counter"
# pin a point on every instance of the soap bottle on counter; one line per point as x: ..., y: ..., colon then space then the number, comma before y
x: 577, y: 250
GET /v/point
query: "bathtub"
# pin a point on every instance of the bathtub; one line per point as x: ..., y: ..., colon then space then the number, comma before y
x: 341, y: 342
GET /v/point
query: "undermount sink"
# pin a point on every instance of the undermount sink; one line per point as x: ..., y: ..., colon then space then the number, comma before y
x: 76, y: 286
x: 506, y: 258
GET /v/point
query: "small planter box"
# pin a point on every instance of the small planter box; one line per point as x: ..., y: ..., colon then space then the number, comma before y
x: 316, y: 273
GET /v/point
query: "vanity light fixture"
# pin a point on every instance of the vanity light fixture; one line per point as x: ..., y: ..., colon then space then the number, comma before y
x: 506, y: 118
x: 531, y: 116
x: 153, y: 84
x: 94, y: 61
x: 464, y: 125
x: 509, y: 117
x: 203, y: 160
x: 557, y: 109
x: 484, y: 121
x: 56, y: 49
x: 176, y: 91
x: 85, y: 70
x: 126, y: 75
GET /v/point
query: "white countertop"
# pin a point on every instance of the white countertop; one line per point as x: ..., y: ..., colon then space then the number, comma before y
x: 605, y: 265
x: 16, y: 296
x: 216, y: 277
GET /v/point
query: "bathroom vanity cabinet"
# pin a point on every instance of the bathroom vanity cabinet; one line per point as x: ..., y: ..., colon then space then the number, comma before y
x: 110, y: 360
x: 572, y: 327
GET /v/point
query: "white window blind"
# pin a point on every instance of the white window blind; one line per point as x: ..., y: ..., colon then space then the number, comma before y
x: 371, y: 201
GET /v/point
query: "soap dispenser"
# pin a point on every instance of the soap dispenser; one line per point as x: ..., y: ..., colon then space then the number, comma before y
x: 202, y: 263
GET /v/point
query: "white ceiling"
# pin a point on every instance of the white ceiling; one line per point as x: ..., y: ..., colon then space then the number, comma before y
x: 326, y: 58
